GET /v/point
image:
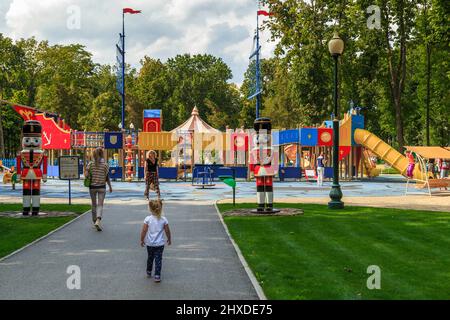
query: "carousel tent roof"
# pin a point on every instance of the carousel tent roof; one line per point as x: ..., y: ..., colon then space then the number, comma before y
x: 196, y: 124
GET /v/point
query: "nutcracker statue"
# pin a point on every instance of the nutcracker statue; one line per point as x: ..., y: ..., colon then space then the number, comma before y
x: 29, y: 166
x: 262, y: 165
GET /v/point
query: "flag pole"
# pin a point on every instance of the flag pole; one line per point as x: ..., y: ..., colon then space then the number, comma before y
x: 258, y: 96
x: 123, y: 70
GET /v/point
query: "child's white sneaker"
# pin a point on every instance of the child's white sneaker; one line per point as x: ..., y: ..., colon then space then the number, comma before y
x: 98, y: 224
x: 157, y: 279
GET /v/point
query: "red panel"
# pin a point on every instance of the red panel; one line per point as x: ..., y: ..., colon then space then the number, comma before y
x: 53, y: 137
x: 325, y: 137
x: 239, y: 141
x: 152, y: 124
x: 27, y: 113
x: 344, y: 151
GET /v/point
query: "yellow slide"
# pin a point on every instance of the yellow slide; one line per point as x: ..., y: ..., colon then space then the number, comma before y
x: 386, y: 152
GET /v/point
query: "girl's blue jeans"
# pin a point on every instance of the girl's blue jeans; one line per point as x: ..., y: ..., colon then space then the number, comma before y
x: 154, y: 253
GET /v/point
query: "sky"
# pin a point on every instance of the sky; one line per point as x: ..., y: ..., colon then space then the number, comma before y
x: 165, y: 28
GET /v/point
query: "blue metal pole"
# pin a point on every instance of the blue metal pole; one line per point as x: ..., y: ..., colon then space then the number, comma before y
x: 123, y: 70
x: 258, y: 96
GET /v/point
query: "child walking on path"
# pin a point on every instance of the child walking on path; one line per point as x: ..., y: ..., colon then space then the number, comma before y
x: 152, y: 236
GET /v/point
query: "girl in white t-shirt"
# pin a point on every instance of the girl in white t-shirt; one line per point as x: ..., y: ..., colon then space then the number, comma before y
x: 152, y: 236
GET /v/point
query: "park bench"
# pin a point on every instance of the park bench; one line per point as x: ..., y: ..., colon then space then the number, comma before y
x: 430, y: 184
x: 434, y: 183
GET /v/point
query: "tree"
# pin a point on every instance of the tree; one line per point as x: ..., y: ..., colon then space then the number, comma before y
x: 67, y: 86
x: 10, y: 60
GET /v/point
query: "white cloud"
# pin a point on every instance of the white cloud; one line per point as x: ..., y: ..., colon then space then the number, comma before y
x: 165, y: 27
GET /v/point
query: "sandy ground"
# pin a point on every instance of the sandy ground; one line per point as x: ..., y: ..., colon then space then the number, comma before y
x: 417, y: 202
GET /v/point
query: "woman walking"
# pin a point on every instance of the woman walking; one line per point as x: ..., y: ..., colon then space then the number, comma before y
x: 98, y: 172
x: 151, y: 174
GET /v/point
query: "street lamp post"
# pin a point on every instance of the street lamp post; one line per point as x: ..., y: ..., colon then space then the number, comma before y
x: 336, y: 48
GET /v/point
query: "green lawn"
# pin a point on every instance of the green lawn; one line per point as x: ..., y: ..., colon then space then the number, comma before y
x: 390, y: 171
x: 324, y: 254
x: 15, y: 233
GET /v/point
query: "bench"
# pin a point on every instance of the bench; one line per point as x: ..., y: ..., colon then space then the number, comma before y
x: 435, y: 183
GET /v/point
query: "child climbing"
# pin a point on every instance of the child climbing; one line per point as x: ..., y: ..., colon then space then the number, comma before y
x: 411, y: 165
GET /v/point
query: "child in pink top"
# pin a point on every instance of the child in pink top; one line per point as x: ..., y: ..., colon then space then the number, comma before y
x: 411, y: 165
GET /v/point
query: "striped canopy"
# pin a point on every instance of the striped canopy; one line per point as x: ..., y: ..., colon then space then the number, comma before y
x: 196, y: 124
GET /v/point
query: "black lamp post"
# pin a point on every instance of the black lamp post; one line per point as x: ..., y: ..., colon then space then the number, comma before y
x: 336, y: 48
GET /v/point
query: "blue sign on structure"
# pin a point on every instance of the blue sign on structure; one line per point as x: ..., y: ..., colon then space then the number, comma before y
x: 113, y: 140
x: 357, y: 123
x: 289, y: 136
x: 308, y: 137
x: 152, y: 113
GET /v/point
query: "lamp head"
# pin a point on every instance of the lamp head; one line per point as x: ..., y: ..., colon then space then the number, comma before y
x: 336, y: 45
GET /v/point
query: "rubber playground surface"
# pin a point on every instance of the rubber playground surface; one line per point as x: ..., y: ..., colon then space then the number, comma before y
x: 387, y: 185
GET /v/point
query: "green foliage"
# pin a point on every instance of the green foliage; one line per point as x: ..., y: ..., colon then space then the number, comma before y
x: 382, y: 70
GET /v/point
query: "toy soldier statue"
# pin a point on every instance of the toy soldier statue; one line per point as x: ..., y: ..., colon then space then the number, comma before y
x: 262, y: 165
x: 29, y: 167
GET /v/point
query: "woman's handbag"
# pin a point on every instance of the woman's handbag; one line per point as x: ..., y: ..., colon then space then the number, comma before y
x: 87, y: 180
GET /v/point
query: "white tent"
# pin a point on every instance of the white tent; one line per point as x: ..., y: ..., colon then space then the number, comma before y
x: 185, y: 132
x: 195, y: 124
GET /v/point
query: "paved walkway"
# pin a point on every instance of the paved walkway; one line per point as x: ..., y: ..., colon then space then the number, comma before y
x: 200, y: 264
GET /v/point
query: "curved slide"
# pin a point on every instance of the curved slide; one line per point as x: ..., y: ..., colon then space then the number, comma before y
x: 386, y: 152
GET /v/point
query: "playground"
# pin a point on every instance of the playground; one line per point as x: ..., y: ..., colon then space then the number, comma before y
x: 197, y: 153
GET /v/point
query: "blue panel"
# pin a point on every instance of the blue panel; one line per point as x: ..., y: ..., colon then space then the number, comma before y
x: 308, y: 136
x: 275, y: 138
x: 289, y: 136
x: 140, y: 172
x: 113, y: 140
x: 328, y: 173
x: 168, y: 172
x: 115, y: 172
x: 220, y: 170
x: 9, y: 162
x: 357, y: 123
x: 152, y: 113
x: 290, y: 173
x: 53, y: 171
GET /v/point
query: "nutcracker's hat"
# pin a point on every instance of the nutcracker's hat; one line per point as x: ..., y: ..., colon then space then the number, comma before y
x: 262, y: 124
x: 32, y: 128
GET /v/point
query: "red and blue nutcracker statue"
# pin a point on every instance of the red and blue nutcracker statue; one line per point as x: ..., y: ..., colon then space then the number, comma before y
x: 29, y: 167
x: 263, y: 166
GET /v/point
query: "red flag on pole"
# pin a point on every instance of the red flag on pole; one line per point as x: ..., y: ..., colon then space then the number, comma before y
x: 129, y: 10
x: 264, y: 13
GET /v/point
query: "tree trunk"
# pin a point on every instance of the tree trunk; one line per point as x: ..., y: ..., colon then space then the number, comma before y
x: 399, y: 120
x: 428, y: 93
x: 2, y: 141
x: 397, y: 74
